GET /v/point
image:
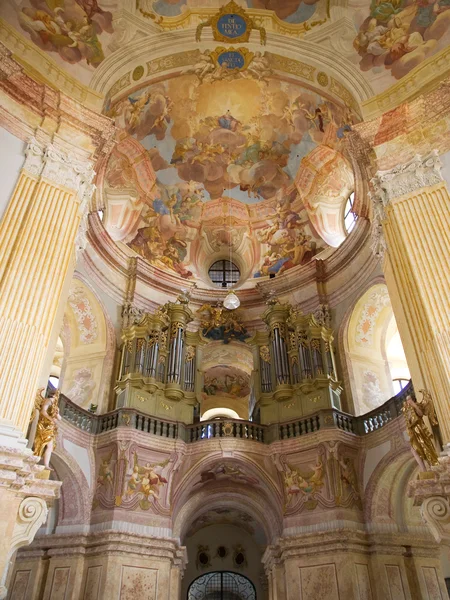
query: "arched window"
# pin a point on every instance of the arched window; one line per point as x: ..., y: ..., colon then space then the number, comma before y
x: 222, y: 585
x: 399, y: 384
x: 350, y: 217
x: 224, y: 273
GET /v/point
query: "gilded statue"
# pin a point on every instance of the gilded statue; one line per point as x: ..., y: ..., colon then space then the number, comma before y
x: 219, y: 323
x: 422, y: 444
x: 45, y: 440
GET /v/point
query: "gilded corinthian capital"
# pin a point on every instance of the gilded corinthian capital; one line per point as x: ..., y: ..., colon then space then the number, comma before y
x: 418, y: 173
x: 61, y: 168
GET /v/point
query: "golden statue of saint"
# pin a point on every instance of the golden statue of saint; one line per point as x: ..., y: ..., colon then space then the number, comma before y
x: 422, y: 444
x: 45, y: 440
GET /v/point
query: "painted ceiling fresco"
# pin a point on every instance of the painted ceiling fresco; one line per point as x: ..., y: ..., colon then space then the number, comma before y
x: 74, y: 32
x: 243, y: 137
x: 291, y: 11
x: 236, y: 144
x: 390, y: 37
x: 394, y: 36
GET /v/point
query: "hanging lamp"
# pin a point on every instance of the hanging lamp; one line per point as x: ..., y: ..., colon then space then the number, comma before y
x: 231, y: 301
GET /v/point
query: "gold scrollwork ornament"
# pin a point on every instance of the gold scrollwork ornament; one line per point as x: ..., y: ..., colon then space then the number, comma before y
x: 264, y: 353
x: 232, y: 10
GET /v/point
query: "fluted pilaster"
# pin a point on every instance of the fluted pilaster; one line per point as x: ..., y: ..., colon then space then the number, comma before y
x: 37, y: 244
x: 413, y: 206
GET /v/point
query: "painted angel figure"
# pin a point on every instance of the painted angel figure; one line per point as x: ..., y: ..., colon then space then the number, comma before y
x: 146, y: 479
x: 105, y: 474
x: 135, y: 108
x: 205, y: 66
x: 259, y: 67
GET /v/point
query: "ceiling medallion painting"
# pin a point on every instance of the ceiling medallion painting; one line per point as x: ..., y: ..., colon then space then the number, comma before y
x: 225, y: 153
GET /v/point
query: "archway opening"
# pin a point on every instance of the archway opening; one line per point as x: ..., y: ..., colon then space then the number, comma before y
x: 375, y: 357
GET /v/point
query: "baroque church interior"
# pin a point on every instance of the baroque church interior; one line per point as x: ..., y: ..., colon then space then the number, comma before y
x: 224, y: 299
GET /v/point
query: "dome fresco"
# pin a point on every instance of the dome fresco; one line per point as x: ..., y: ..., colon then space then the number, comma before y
x: 225, y: 155
x: 230, y: 141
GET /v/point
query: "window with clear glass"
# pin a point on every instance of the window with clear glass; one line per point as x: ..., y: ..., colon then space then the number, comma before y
x: 224, y: 273
x: 350, y: 217
x: 399, y: 384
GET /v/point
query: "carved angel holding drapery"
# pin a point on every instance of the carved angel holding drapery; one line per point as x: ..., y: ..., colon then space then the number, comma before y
x: 422, y: 445
x: 47, y: 430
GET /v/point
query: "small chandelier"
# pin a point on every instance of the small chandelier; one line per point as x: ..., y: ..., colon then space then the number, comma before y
x: 231, y: 301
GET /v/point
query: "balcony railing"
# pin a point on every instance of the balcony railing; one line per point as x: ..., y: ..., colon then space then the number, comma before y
x: 229, y: 428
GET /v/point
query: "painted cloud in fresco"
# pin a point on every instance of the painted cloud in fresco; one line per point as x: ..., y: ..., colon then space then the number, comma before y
x: 291, y: 11
x: 399, y: 34
x: 69, y: 27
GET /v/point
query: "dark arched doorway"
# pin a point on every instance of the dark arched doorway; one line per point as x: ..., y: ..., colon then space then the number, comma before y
x: 221, y: 585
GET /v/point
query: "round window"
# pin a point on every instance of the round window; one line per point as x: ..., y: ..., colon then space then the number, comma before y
x: 224, y: 273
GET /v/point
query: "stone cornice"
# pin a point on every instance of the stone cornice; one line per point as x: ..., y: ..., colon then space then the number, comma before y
x: 31, y: 104
x: 40, y: 65
x: 111, y: 542
x: 398, y: 135
x: 420, y: 80
x: 20, y: 473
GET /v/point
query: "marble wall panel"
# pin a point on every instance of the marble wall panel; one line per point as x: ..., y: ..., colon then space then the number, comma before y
x: 138, y: 582
x: 363, y: 579
x: 20, y: 585
x: 395, y: 582
x: 432, y: 583
x: 319, y: 583
x: 92, y: 586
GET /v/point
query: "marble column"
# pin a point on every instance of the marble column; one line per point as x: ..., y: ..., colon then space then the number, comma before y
x: 38, y: 236
x: 412, y: 223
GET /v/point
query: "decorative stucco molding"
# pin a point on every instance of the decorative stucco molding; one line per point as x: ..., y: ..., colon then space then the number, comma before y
x: 31, y: 515
x: 420, y: 172
x: 131, y: 315
x: 432, y: 493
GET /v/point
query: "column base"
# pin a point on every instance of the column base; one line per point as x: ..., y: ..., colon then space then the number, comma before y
x: 24, y: 494
x: 432, y: 494
x: 12, y: 437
